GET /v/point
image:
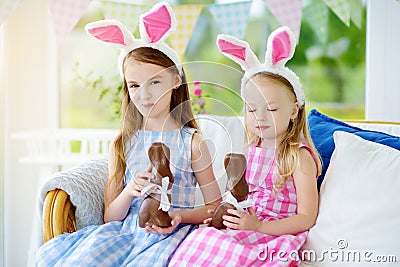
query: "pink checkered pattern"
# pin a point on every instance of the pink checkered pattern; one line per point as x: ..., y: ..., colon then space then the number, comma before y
x: 287, y: 12
x: 65, y: 15
x: 211, y: 247
x: 260, y: 176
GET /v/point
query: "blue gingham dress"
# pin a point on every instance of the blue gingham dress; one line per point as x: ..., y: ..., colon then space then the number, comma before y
x: 124, y: 243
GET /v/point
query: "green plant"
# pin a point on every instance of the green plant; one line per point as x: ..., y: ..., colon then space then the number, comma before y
x: 198, y: 99
x: 107, y: 89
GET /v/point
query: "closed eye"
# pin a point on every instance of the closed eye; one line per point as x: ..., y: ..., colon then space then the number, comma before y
x: 133, y: 85
x: 155, y: 82
x: 251, y: 109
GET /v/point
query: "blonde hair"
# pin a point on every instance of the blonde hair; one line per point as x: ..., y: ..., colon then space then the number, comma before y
x: 132, y: 119
x: 287, y: 159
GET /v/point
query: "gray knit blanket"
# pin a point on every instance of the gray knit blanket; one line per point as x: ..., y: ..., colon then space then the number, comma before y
x: 85, y: 184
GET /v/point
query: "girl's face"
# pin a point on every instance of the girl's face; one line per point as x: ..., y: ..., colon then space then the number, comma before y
x: 269, y: 108
x: 150, y: 88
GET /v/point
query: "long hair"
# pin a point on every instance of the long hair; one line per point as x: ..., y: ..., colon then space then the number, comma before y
x: 287, y: 158
x: 132, y: 119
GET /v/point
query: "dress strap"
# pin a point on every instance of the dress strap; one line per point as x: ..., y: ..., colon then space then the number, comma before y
x: 189, y: 130
x: 306, y: 146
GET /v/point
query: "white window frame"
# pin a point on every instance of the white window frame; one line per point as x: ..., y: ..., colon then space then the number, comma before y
x: 382, y: 57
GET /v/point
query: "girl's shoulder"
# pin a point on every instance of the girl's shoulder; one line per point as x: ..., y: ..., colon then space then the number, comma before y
x: 189, y: 134
x: 307, y: 156
x: 195, y: 135
x: 304, y: 146
x: 189, y: 130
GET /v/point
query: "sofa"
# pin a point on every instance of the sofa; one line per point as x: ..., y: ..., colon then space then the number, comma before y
x: 358, y: 211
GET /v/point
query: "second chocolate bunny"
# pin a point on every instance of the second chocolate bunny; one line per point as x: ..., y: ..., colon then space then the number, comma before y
x: 154, y: 208
x: 235, y: 166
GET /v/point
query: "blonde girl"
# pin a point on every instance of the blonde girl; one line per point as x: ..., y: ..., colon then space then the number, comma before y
x: 155, y: 108
x: 282, y: 167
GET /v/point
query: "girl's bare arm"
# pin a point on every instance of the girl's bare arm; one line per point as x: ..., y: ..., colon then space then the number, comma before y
x: 120, y: 200
x: 202, y: 167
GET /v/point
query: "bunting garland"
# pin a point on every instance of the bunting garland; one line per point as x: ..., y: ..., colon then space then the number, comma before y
x: 356, y: 12
x: 187, y: 16
x: 287, y: 12
x: 128, y: 14
x: 316, y: 15
x: 6, y: 8
x: 232, y: 18
x: 341, y: 8
x: 65, y: 14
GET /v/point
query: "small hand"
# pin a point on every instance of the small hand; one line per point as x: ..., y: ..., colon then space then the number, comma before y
x: 241, y: 220
x: 176, y: 220
x: 208, y: 221
x: 140, y: 180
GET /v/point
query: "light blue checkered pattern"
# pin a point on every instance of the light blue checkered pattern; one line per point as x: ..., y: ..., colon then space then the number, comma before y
x: 232, y: 18
x: 125, y: 243
x: 179, y: 143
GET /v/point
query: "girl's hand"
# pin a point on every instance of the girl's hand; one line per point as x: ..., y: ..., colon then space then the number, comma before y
x: 243, y: 221
x: 140, y: 180
x: 176, y: 220
x: 209, y: 220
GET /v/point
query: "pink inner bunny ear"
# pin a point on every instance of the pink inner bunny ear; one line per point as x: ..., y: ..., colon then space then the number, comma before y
x: 232, y: 49
x: 281, y: 47
x: 157, y: 23
x: 109, y: 34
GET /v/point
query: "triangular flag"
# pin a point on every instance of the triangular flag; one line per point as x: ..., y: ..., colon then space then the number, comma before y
x: 6, y: 8
x: 317, y: 15
x: 356, y: 12
x: 341, y: 8
x: 287, y: 12
x: 187, y: 16
x: 65, y: 15
x: 128, y: 14
x: 232, y: 18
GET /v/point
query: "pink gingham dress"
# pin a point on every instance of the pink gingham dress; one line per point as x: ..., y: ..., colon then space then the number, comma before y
x: 208, y: 246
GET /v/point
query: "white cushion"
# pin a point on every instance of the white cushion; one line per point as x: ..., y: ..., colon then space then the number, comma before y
x: 223, y: 135
x: 359, y: 209
x: 393, y: 129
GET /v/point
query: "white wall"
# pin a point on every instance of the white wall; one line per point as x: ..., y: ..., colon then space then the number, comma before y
x: 383, y: 58
x: 30, y: 101
x: 2, y: 86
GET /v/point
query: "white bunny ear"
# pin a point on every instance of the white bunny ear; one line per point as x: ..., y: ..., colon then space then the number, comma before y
x: 280, y: 48
x: 237, y: 50
x: 156, y: 24
x: 111, y: 32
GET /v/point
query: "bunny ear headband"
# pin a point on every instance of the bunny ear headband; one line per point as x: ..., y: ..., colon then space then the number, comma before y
x: 280, y: 48
x: 154, y: 26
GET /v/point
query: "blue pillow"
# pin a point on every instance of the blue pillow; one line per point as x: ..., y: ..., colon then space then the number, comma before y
x: 322, y: 128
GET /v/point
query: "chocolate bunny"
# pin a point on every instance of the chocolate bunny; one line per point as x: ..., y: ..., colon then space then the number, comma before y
x: 235, y: 167
x: 154, y: 208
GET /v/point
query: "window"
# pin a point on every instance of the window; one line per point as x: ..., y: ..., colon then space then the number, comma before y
x: 332, y: 72
x: 86, y: 68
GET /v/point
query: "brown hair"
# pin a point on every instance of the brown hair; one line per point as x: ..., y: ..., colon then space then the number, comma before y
x: 132, y: 119
x: 287, y: 159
